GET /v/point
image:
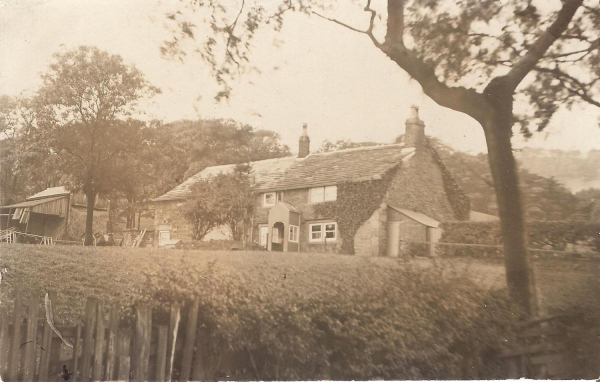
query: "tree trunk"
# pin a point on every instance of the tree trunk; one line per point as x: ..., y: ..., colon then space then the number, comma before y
x: 519, y: 274
x: 89, y: 218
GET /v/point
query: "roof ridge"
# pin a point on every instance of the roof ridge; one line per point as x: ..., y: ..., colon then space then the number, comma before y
x: 365, y: 148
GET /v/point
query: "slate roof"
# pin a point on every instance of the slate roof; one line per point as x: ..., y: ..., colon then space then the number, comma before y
x: 359, y: 164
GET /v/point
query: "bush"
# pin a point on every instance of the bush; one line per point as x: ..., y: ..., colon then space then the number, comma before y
x: 420, y: 324
x: 558, y: 236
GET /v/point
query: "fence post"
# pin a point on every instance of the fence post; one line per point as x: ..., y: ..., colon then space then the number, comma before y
x: 99, y: 343
x: 4, y: 341
x: 141, y: 342
x: 198, y: 371
x: 76, y: 347
x: 123, y: 357
x: 46, y: 344
x: 13, y: 366
x: 88, y: 337
x: 172, y: 340
x: 161, y: 353
x: 113, y: 332
x: 31, y: 339
x: 190, y: 338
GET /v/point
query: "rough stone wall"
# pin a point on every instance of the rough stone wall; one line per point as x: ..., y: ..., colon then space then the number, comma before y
x: 371, y: 237
x: 169, y: 213
x: 418, y: 186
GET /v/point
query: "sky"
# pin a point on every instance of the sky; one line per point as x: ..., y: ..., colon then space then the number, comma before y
x: 324, y: 75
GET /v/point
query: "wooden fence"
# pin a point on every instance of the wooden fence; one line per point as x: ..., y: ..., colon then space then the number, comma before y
x: 99, y: 349
x: 539, y: 353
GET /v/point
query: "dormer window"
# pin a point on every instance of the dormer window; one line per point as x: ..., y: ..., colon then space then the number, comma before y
x: 269, y: 199
x: 323, y: 194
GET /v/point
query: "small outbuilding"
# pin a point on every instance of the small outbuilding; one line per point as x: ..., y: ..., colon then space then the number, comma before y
x: 52, y: 213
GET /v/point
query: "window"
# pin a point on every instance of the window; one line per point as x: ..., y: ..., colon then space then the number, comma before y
x: 330, y: 193
x: 323, y: 194
x: 294, y: 233
x: 317, y: 195
x: 330, y: 232
x: 269, y: 199
x: 321, y: 232
x: 316, y: 233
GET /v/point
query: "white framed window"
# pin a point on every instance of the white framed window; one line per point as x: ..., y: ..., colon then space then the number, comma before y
x: 294, y: 229
x: 316, y: 233
x: 269, y: 199
x: 323, y: 232
x: 330, y: 231
x: 330, y: 193
x: 317, y: 194
x: 323, y: 194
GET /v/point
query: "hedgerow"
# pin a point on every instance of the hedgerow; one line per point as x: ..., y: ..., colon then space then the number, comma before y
x: 417, y: 324
x: 550, y: 235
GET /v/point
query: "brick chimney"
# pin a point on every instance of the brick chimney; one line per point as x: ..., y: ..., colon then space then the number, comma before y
x: 304, y: 143
x: 415, y: 129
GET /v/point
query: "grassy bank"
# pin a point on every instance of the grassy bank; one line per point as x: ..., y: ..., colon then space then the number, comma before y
x: 301, y: 316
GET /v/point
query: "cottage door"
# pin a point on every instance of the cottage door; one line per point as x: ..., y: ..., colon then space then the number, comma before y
x: 264, y: 235
x: 393, y: 238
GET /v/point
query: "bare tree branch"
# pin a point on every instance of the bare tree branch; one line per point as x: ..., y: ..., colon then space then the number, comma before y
x: 340, y: 23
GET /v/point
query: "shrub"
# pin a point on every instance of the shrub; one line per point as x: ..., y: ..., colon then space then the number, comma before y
x: 558, y: 236
x: 419, y: 324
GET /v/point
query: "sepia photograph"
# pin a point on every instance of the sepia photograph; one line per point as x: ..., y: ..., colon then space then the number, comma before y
x: 269, y: 190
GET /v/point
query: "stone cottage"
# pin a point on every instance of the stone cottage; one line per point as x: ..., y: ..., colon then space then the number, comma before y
x: 372, y: 201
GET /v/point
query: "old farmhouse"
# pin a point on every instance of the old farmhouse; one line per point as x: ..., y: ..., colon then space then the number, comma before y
x: 373, y: 201
x: 52, y: 213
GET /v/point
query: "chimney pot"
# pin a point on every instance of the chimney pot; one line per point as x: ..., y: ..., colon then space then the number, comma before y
x: 304, y: 142
x: 415, y: 129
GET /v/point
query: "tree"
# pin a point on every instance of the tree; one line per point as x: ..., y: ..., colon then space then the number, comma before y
x: 471, y: 56
x: 224, y: 199
x: 26, y: 166
x: 83, y: 114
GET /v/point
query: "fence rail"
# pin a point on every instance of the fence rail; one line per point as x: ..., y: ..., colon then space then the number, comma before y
x: 498, y: 246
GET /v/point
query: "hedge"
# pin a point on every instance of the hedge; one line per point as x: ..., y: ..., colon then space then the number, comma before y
x: 568, y: 236
x: 420, y: 324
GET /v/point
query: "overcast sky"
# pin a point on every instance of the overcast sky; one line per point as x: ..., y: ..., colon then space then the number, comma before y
x: 329, y: 77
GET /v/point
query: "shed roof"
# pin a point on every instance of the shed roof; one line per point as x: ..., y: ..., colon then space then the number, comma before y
x: 51, y: 191
x: 31, y: 203
x: 314, y: 170
x: 419, y: 217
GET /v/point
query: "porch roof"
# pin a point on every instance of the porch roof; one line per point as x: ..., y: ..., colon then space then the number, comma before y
x: 417, y: 216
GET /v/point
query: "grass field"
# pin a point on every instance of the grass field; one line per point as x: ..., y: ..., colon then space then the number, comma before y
x: 122, y: 274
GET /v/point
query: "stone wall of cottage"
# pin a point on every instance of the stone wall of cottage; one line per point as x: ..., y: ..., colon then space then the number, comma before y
x: 418, y: 186
x: 371, y: 237
x: 169, y: 214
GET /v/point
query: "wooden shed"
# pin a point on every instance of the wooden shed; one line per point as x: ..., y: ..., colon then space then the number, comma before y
x: 52, y: 213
